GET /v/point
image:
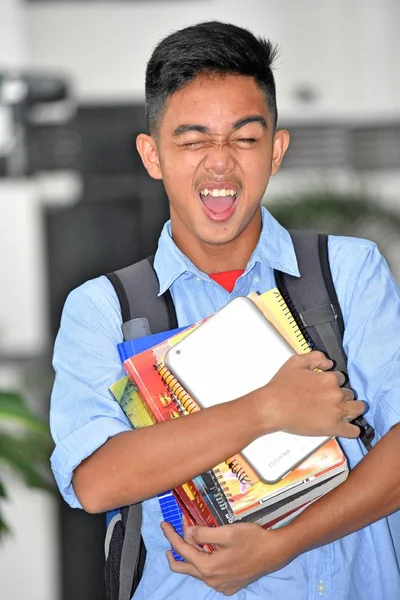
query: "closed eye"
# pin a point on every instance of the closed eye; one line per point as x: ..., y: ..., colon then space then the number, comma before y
x: 193, y: 144
x: 247, y: 141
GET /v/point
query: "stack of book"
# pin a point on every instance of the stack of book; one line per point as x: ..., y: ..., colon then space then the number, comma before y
x: 232, y: 491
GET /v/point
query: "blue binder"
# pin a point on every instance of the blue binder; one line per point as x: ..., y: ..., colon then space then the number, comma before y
x: 170, y: 509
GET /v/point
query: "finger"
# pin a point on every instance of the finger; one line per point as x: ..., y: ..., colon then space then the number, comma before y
x: 340, y: 376
x: 188, y: 531
x: 188, y: 551
x: 178, y: 566
x: 354, y: 408
x: 348, y: 394
x: 316, y: 360
x: 185, y: 523
x: 217, y: 536
x: 349, y: 431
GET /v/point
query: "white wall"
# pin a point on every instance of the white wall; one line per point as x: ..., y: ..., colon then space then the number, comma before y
x: 347, y: 52
x: 29, y: 565
x: 12, y: 33
x: 23, y: 314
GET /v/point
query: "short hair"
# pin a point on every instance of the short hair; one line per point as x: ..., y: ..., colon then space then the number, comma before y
x: 207, y: 48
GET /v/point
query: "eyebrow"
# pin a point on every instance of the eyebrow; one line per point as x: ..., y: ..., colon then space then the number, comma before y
x: 250, y: 119
x: 192, y: 127
x: 203, y: 129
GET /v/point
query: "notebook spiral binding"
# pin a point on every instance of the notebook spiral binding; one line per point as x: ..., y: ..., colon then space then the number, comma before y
x: 239, y: 471
x: 179, y: 392
x: 222, y: 483
x: 294, y: 320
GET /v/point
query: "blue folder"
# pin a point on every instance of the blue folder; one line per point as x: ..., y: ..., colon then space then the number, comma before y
x: 170, y: 509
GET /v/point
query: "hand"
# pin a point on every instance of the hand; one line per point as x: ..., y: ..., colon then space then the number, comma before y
x: 243, y: 553
x: 303, y: 401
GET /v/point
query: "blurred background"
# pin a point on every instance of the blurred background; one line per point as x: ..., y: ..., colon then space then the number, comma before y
x: 75, y: 201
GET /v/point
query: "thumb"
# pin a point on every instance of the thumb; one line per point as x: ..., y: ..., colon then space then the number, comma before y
x: 188, y: 531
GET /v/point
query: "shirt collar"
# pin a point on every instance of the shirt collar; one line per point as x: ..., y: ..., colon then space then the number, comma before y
x: 274, y: 249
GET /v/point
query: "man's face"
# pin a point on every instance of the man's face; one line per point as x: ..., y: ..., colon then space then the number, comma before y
x: 215, y: 151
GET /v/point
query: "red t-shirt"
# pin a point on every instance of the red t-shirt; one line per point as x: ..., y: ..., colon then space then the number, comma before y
x: 227, y: 279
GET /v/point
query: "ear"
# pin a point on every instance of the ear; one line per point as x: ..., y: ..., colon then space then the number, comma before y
x: 147, y: 149
x: 280, y: 145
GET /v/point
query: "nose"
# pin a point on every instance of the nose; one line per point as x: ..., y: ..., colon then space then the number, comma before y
x: 219, y: 159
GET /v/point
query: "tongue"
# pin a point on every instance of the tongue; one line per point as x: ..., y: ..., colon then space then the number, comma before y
x: 219, y: 204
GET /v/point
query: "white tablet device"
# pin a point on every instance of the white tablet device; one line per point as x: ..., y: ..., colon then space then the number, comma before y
x: 236, y: 351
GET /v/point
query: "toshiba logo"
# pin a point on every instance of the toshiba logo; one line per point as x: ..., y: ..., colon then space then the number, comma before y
x: 278, y: 458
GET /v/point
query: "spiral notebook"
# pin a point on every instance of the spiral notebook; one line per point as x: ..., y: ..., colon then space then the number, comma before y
x: 232, y: 490
x: 234, y: 352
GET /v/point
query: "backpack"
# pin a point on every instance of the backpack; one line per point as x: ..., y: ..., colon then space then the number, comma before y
x: 312, y: 300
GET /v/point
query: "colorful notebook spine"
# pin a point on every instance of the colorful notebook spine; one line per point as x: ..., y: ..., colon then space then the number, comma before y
x: 214, y: 495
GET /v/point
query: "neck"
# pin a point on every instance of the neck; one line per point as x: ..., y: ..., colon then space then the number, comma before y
x: 218, y: 258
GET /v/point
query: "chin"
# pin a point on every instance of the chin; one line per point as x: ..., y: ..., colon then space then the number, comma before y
x: 219, y: 238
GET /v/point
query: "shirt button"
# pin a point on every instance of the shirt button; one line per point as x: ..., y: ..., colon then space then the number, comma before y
x: 321, y: 588
x: 197, y: 278
x: 256, y: 279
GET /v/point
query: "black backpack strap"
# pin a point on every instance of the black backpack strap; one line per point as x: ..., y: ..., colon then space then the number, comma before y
x: 313, y: 299
x: 133, y: 553
x: 143, y: 312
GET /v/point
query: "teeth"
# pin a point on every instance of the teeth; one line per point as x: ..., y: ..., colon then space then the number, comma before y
x: 216, y: 193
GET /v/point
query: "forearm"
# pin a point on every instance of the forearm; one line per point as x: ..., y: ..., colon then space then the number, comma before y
x: 139, y: 464
x: 371, y: 492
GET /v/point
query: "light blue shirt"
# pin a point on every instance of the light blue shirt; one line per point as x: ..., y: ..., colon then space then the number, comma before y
x: 83, y: 415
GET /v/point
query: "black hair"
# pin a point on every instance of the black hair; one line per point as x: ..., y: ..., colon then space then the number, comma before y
x: 211, y: 47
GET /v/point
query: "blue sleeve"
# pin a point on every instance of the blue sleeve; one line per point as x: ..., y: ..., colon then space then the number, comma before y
x: 370, y: 299
x: 83, y: 415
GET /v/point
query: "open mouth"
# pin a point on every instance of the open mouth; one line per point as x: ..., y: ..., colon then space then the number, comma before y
x: 218, y: 201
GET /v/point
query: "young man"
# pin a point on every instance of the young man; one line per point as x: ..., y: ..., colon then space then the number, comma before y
x: 211, y: 105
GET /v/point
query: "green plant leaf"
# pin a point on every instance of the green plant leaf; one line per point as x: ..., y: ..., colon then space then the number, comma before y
x: 29, y: 456
x: 335, y: 213
x: 25, y: 446
x: 2, y: 491
x: 4, y: 529
x: 14, y: 410
x: 346, y: 214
